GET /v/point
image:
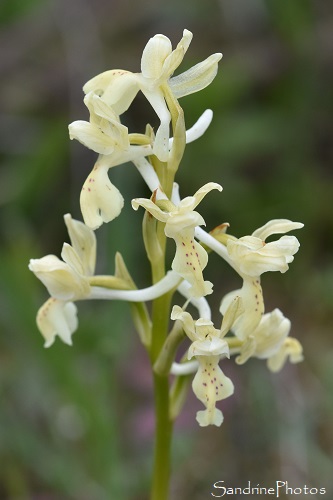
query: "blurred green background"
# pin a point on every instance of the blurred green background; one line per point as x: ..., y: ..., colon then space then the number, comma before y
x: 76, y: 423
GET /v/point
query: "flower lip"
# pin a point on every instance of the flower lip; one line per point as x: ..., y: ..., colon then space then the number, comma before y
x: 56, y: 317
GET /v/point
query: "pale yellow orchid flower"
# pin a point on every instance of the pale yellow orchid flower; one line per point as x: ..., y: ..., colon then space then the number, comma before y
x: 158, y: 63
x: 66, y: 281
x: 100, y: 200
x: 251, y: 256
x: 209, y: 384
x: 180, y: 222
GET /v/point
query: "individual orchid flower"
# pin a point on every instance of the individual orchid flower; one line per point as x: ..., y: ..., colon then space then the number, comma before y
x: 269, y: 341
x: 209, y: 384
x: 180, y: 222
x: 104, y: 133
x: 251, y: 256
x: 66, y: 280
x: 100, y: 200
x: 158, y: 63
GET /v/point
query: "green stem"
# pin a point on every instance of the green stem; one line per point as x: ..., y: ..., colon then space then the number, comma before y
x: 163, y: 423
x: 163, y: 436
x: 161, y: 317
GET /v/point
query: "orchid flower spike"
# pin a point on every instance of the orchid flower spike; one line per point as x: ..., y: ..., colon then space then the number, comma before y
x: 180, y: 222
x: 209, y: 384
x: 158, y: 63
x: 66, y: 280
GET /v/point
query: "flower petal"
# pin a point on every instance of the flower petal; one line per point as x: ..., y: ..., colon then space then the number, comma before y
x: 103, y: 116
x: 187, y: 320
x: 83, y: 240
x: 196, y: 78
x: 212, y: 416
x: 151, y: 207
x: 247, y: 350
x: 70, y: 257
x: 190, y: 202
x: 290, y: 348
x: 251, y: 308
x: 211, y: 385
x: 231, y: 312
x: 172, y: 62
x: 97, y: 106
x: 118, y: 88
x: 183, y: 220
x: 213, y: 347
x: 157, y: 49
x: 206, y: 188
x: 270, y: 334
x: 56, y: 317
x: 254, y: 257
x: 92, y: 137
x: 189, y: 261
x: 100, y: 200
x: 60, y: 279
x: 276, y: 226
x: 276, y: 255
